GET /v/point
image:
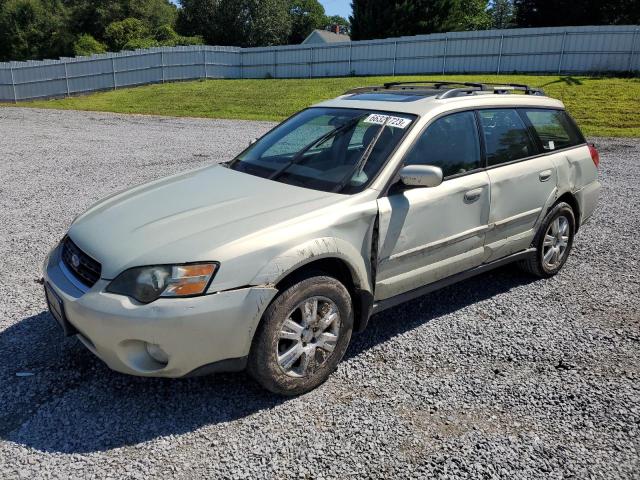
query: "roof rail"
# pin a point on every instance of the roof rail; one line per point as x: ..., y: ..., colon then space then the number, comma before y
x: 451, y: 89
x: 437, y: 84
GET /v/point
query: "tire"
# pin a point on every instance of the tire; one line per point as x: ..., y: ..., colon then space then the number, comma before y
x: 559, y: 219
x: 286, y: 334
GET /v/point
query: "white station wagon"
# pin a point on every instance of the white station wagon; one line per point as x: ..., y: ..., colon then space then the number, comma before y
x: 271, y: 261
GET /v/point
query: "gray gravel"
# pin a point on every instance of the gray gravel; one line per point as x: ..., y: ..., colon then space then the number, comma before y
x: 498, y: 377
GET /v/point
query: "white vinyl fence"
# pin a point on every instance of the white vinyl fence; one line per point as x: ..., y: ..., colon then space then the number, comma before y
x: 558, y: 50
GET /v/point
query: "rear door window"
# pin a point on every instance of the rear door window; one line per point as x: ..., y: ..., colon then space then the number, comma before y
x: 505, y: 136
x: 554, y: 128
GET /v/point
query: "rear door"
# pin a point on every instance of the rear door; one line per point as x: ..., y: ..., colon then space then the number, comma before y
x: 523, y: 180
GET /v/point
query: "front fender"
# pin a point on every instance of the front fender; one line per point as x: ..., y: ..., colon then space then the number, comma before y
x: 312, y: 250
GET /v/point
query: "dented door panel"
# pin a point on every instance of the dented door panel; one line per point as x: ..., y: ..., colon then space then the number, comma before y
x: 519, y: 193
x: 427, y: 234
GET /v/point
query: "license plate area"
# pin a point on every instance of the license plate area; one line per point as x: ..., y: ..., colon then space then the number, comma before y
x: 56, y: 308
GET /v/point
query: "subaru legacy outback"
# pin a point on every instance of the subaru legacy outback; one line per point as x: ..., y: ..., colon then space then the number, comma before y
x: 271, y: 261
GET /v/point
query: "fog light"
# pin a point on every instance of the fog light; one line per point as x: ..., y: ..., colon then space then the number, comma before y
x: 157, y: 353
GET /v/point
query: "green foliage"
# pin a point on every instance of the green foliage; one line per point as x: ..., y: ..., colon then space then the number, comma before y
x: 474, y: 15
x: 371, y: 18
x: 166, y: 36
x: 137, y: 43
x: 502, y: 14
x: 199, y: 17
x: 33, y: 29
x: 306, y: 15
x: 542, y: 13
x: 86, y: 45
x: 393, y: 18
x: 165, y: 33
x: 246, y: 23
x: 121, y: 33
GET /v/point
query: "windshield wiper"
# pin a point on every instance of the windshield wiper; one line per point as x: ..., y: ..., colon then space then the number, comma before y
x: 299, y: 156
x: 359, y: 167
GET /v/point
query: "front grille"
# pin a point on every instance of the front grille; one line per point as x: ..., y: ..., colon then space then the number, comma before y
x: 85, y: 268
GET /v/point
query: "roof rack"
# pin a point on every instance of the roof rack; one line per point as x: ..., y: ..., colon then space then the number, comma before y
x: 450, y: 89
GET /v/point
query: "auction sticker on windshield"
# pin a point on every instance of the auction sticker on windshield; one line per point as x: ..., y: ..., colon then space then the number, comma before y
x: 397, y: 122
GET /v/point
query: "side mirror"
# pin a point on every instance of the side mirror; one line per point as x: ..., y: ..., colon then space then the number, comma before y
x: 421, y: 176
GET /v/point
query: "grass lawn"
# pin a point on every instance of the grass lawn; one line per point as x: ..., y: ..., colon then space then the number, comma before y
x: 601, y: 106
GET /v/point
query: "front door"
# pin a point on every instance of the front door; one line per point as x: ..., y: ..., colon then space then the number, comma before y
x: 427, y: 234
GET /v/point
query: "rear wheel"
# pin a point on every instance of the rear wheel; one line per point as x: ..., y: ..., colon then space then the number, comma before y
x: 303, y: 336
x: 553, y: 242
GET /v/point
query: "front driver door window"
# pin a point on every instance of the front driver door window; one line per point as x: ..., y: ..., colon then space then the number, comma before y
x: 451, y: 143
x: 431, y: 233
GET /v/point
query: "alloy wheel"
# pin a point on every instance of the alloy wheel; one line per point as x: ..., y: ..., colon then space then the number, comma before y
x: 308, y: 336
x: 556, y: 240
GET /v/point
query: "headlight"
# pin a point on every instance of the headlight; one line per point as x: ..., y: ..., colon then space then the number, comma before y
x: 147, y: 284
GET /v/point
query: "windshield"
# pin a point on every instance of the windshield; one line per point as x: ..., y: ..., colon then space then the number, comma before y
x: 328, y: 149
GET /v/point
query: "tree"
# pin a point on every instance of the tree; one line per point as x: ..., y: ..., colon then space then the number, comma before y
x: 306, y: 15
x: 371, y: 18
x: 87, y: 45
x: 94, y: 16
x: 199, y: 17
x: 119, y: 34
x: 473, y: 15
x: 245, y: 23
x: 392, y: 18
x: 545, y: 13
x: 502, y: 14
x: 33, y: 29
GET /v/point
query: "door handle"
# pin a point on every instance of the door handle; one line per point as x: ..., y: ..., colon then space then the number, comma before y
x: 472, y: 195
x: 546, y: 175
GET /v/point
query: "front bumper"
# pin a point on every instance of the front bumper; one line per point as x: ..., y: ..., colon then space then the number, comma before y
x: 194, y: 332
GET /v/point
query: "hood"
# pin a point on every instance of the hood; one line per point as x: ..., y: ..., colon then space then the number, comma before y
x: 185, y: 217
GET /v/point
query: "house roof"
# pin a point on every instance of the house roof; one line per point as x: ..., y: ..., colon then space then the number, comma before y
x: 327, y: 37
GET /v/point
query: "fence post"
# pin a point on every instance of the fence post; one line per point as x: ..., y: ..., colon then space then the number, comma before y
x: 113, y: 70
x: 500, y: 54
x: 275, y: 62
x: 564, y: 37
x: 444, y: 57
x: 633, y: 50
x: 350, y: 48
x: 395, y: 56
x: 13, y: 85
x: 162, y: 63
x: 204, y: 63
x: 310, y: 62
x: 66, y: 78
x: 241, y: 65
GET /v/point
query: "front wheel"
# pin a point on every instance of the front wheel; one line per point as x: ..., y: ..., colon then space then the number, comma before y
x: 553, y: 242
x: 302, y: 337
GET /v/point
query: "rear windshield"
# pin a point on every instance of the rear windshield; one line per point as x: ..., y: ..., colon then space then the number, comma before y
x: 328, y: 149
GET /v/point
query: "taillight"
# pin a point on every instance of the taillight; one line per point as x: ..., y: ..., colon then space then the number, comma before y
x: 595, y: 156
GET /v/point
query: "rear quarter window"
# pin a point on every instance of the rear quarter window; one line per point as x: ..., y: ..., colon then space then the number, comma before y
x: 554, y: 128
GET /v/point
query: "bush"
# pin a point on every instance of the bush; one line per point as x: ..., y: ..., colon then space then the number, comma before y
x: 165, y: 33
x: 138, y: 43
x: 87, y: 45
x: 121, y: 34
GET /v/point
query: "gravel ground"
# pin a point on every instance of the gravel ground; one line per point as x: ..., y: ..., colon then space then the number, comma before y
x: 498, y: 377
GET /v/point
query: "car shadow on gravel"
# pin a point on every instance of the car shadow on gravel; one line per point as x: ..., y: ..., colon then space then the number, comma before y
x: 55, y: 396
x: 422, y: 310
